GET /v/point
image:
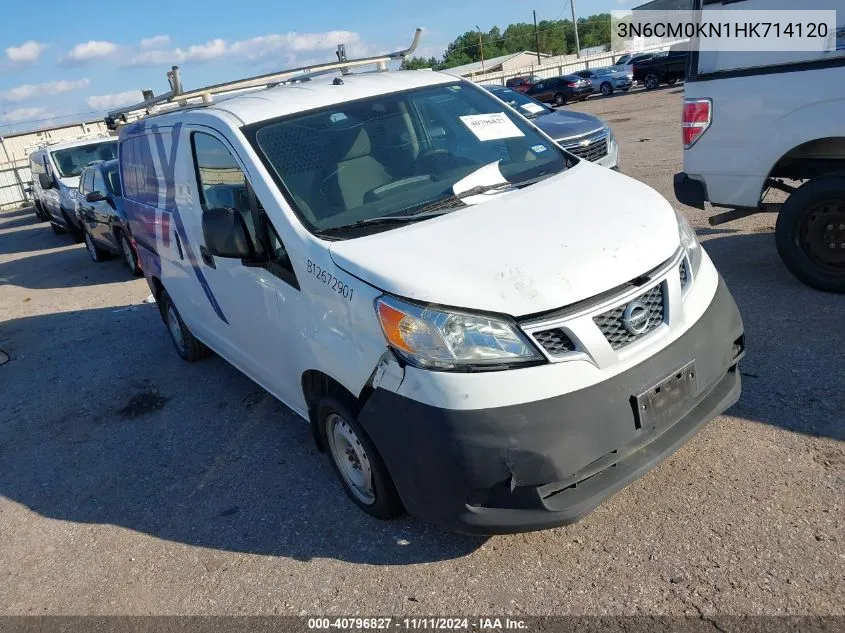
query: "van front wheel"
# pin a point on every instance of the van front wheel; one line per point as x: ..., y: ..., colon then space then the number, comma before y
x: 187, y: 345
x: 356, y: 460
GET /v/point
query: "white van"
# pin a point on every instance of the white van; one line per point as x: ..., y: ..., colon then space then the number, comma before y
x: 425, y: 277
x: 55, y: 174
x: 755, y: 120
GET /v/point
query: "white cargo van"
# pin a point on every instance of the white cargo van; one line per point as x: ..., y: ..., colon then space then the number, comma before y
x: 755, y: 120
x: 55, y: 174
x: 379, y: 252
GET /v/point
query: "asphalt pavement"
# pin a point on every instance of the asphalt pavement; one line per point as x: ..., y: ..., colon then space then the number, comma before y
x: 134, y: 483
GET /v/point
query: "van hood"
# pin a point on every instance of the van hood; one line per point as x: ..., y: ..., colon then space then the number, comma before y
x: 562, y: 240
x: 563, y: 125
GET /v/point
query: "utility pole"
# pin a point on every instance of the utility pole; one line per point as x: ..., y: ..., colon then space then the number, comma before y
x: 481, y: 46
x: 537, y: 40
x: 575, y: 26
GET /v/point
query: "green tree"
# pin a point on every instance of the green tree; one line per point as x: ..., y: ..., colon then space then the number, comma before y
x: 557, y: 37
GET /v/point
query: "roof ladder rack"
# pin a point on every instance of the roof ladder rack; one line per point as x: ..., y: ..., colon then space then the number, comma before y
x: 177, y: 97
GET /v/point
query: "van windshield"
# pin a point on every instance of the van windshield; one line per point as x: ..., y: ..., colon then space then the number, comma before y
x: 71, y: 161
x: 401, y: 157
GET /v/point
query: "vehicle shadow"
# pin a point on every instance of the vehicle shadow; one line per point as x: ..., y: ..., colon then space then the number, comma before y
x: 21, y: 220
x: 32, y: 238
x: 20, y: 211
x: 38, y: 272
x: 793, y: 370
x: 192, y: 453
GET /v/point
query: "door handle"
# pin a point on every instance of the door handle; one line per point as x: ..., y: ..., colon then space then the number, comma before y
x: 207, y: 257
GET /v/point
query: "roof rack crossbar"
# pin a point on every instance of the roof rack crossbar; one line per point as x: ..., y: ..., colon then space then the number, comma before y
x: 179, y: 96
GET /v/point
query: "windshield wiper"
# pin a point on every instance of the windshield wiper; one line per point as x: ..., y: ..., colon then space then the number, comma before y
x: 453, y: 200
x: 381, y: 220
x: 435, y: 207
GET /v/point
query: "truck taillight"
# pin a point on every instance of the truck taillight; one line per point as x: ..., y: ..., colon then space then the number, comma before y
x: 698, y: 113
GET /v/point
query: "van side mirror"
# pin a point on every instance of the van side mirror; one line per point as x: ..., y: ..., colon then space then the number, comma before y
x: 95, y: 196
x: 45, y: 181
x: 226, y: 234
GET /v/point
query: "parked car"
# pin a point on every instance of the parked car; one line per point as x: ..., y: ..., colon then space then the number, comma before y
x: 523, y: 84
x: 55, y: 174
x: 561, y: 90
x: 662, y: 68
x: 606, y: 80
x: 494, y: 369
x: 626, y: 62
x: 751, y: 128
x: 99, y: 208
x: 579, y: 133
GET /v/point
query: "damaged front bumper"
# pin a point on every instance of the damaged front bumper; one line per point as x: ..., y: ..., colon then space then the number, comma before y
x: 547, y: 463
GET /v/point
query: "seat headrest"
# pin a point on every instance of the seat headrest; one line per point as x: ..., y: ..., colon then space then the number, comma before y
x: 360, y: 146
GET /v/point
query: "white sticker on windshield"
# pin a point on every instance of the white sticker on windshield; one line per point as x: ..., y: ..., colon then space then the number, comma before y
x: 532, y: 108
x: 538, y: 149
x: 491, y: 127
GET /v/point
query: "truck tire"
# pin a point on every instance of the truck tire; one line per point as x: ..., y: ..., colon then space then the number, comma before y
x: 355, y: 459
x: 810, y: 233
x: 651, y: 81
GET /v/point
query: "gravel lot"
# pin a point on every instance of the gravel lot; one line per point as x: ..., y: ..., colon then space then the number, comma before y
x: 134, y: 483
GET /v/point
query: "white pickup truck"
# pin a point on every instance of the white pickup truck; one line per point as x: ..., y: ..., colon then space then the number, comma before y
x: 751, y: 122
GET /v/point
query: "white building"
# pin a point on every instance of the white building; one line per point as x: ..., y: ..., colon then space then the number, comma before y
x: 504, y: 63
x: 14, y: 156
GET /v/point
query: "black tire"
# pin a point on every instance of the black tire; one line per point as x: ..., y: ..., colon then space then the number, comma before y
x: 76, y: 233
x: 58, y: 230
x: 606, y: 89
x: 651, y: 81
x: 40, y: 213
x: 560, y: 99
x: 97, y: 254
x: 810, y: 221
x: 385, y: 503
x: 128, y: 254
x: 189, y: 348
x: 672, y: 81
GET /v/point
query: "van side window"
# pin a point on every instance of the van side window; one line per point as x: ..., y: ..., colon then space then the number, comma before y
x: 222, y: 183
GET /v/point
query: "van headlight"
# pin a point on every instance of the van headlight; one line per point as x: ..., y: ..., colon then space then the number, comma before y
x: 689, y: 240
x: 437, y: 339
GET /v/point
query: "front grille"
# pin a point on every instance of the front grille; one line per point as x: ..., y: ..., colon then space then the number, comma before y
x: 555, y: 341
x: 594, y: 148
x: 682, y: 269
x: 611, y: 325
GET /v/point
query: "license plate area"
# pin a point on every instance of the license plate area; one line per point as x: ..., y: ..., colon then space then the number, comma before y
x: 668, y: 400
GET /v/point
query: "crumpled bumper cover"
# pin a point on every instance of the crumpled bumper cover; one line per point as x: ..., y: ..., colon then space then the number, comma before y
x: 548, y: 463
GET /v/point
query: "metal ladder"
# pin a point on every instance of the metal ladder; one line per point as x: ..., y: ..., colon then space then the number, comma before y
x: 177, y: 98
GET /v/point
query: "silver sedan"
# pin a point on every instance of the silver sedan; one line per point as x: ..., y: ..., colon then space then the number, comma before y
x: 607, y: 80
